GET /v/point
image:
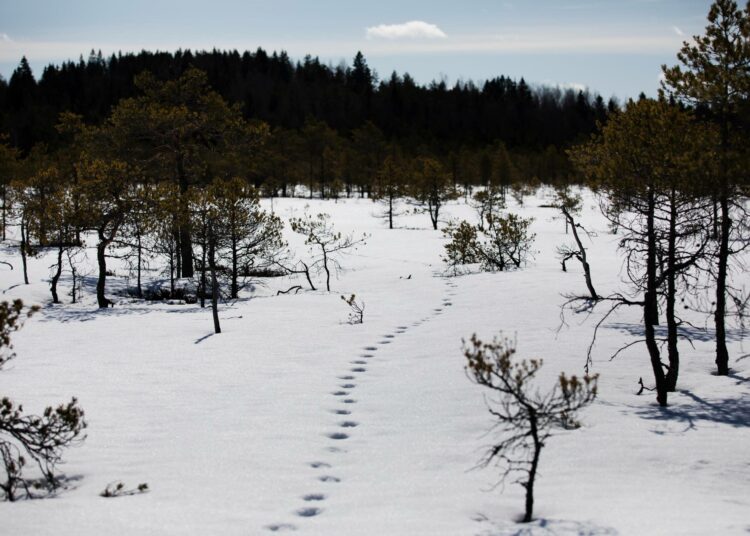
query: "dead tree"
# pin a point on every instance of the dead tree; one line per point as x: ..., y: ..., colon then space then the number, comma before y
x: 579, y: 252
x: 326, y: 244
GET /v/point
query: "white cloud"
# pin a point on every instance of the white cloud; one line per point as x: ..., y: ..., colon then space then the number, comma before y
x: 678, y: 31
x: 5, y: 38
x: 409, y: 30
x: 576, y: 86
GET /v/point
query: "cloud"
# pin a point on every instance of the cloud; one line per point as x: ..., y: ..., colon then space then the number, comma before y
x: 576, y: 86
x: 678, y: 31
x: 408, y: 30
x: 5, y: 38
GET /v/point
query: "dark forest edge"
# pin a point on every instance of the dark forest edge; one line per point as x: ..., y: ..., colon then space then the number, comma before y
x: 536, y: 123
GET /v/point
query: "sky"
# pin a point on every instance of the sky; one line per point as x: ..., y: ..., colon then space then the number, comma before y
x: 612, y: 47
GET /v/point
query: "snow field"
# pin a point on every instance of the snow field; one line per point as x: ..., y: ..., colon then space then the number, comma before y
x: 292, y: 420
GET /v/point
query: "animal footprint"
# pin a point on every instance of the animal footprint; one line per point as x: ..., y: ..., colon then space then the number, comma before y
x: 339, y: 393
x: 319, y: 465
x: 348, y: 385
x: 349, y: 424
x: 338, y: 435
x: 359, y: 369
x: 388, y: 336
x: 370, y: 348
x: 346, y: 377
x: 342, y: 411
x: 314, y: 497
x: 349, y: 401
x: 280, y: 527
x: 329, y: 478
x: 308, y: 512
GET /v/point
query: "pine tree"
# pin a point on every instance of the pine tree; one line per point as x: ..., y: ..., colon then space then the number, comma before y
x: 715, y: 73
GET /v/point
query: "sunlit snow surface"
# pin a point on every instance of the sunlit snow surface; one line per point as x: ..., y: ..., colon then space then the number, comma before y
x: 292, y: 420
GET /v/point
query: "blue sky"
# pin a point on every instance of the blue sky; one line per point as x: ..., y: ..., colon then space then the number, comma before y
x: 614, y: 47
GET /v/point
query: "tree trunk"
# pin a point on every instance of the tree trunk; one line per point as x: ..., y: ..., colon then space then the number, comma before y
x: 651, y: 305
x: 73, y: 278
x: 171, y: 270
x: 24, y: 245
x: 139, y: 289
x: 214, y: 281
x: 581, y: 254
x: 5, y: 209
x: 433, y: 209
x: 58, y: 271
x: 101, y: 259
x: 390, y: 211
x: 186, y: 244
x: 722, y: 354
x: 672, y: 350
x: 203, y: 286
x: 529, y: 485
x: 186, y: 251
x: 328, y: 272
x: 235, y: 289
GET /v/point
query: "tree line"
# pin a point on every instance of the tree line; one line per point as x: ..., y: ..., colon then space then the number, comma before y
x: 276, y: 90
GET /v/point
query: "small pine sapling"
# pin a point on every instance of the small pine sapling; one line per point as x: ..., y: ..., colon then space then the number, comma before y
x: 117, y: 489
x: 526, y: 416
x: 40, y: 438
x: 356, y: 310
x: 462, y: 246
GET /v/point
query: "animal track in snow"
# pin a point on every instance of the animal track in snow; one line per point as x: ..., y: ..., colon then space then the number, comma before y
x: 338, y: 436
x: 389, y: 336
x: 319, y: 465
x: 329, y: 478
x: 359, y: 362
x: 280, y: 527
x: 349, y: 401
x: 339, y: 393
x: 348, y: 385
x: 342, y: 412
x: 348, y: 424
x: 314, y: 497
x: 346, y: 377
x: 371, y: 348
x: 359, y: 369
x: 308, y: 512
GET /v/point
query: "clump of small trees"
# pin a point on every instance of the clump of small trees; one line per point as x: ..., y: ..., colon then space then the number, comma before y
x: 526, y: 415
x: 649, y: 160
x: 39, y: 439
x: 503, y: 244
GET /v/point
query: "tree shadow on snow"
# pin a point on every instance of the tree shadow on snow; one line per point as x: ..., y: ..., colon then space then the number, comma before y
x: 686, y: 332
x: 543, y: 527
x: 85, y: 313
x: 729, y: 411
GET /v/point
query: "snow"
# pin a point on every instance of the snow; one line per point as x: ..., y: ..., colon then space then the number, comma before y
x: 236, y: 433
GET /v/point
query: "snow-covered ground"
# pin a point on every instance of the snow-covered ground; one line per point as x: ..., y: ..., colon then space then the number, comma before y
x: 293, y: 420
